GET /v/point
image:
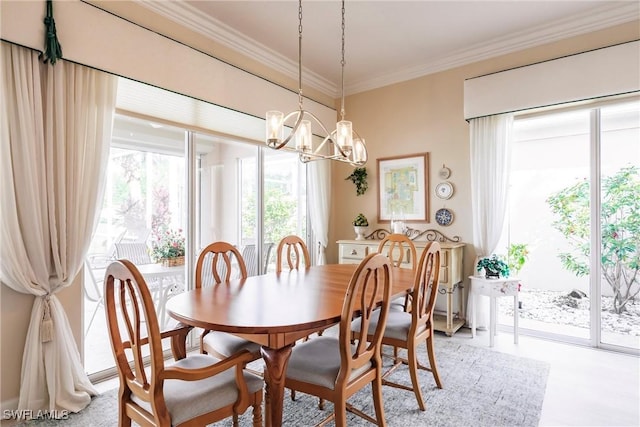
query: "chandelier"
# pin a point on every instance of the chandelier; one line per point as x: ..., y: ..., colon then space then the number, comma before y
x: 342, y: 143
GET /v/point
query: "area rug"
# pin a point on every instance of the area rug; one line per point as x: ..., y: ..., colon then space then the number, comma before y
x: 481, y: 388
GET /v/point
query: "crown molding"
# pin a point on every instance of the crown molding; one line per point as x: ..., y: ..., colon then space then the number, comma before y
x: 601, y: 18
x: 216, y: 30
x: 606, y: 16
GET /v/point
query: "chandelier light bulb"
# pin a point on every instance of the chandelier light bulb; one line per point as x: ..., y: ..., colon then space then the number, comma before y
x: 303, y: 136
x: 344, y: 135
x: 275, y: 127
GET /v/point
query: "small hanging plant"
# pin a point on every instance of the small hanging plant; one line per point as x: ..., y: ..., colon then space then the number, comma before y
x: 359, y: 178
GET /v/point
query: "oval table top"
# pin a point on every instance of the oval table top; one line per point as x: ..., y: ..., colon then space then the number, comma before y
x: 290, y: 301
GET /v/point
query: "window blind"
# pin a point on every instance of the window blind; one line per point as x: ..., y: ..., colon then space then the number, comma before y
x: 602, y: 72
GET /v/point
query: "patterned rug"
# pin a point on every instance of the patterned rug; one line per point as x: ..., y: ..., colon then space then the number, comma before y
x: 481, y: 388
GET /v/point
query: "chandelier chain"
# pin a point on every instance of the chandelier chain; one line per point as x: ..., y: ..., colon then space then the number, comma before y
x: 300, y: 54
x: 342, y: 63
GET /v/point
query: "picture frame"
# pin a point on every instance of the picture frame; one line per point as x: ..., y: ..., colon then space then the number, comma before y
x: 403, y: 188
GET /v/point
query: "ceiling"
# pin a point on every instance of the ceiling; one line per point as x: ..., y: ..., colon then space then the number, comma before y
x: 388, y: 41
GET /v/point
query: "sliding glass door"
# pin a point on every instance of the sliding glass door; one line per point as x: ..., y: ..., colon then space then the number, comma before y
x: 619, y: 200
x: 550, y: 153
x: 573, y: 229
x: 164, y: 181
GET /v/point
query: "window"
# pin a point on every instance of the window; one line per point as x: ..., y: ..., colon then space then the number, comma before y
x: 244, y: 193
x: 552, y: 215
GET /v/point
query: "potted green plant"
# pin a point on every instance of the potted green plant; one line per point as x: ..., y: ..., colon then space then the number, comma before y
x: 517, y: 255
x: 360, y: 225
x: 359, y: 178
x: 494, y: 267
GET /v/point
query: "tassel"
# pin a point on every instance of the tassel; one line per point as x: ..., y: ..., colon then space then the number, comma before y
x: 52, y: 49
x: 46, y: 327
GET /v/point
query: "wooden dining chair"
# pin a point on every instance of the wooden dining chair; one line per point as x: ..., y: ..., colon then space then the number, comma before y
x: 410, y: 329
x: 194, y: 390
x: 401, y: 251
x: 293, y: 250
x: 218, y: 263
x: 333, y: 368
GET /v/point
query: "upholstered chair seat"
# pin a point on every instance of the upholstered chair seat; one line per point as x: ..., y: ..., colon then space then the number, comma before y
x: 189, y: 399
x: 226, y: 344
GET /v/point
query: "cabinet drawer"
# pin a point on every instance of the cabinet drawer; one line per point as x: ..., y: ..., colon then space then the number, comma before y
x: 444, y: 275
x: 354, y: 252
x: 444, y: 257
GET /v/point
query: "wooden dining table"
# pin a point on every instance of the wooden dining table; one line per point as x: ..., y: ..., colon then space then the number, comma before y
x: 275, y: 310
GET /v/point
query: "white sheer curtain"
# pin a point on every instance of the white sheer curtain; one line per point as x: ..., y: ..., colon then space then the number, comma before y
x: 490, y: 163
x: 319, y: 200
x: 56, y: 130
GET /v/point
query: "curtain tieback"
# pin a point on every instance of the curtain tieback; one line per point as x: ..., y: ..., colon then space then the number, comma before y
x: 46, y: 326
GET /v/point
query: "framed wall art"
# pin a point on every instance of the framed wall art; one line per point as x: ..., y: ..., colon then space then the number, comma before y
x: 403, y: 184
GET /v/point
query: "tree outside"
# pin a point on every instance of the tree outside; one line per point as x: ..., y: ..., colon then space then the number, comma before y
x: 620, y: 207
x: 279, y: 215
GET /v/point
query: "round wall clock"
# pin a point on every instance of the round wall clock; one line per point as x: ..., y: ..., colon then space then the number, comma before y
x: 444, y: 190
x: 444, y: 216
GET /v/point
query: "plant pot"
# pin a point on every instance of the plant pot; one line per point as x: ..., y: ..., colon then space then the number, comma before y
x: 360, y: 232
x: 172, y: 262
x: 490, y: 274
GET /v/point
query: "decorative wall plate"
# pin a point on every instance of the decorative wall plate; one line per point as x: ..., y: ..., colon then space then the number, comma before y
x: 444, y: 173
x: 444, y: 190
x: 444, y: 216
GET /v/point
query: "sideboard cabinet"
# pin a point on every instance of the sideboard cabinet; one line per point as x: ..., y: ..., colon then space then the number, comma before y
x: 451, y: 275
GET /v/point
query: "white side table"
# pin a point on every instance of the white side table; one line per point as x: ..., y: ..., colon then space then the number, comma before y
x: 502, y: 287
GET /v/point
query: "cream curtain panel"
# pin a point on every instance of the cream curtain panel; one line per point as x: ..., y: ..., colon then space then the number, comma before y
x: 319, y: 204
x: 490, y: 163
x: 56, y: 129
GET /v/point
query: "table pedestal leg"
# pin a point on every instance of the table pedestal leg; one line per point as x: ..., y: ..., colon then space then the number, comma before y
x: 276, y: 365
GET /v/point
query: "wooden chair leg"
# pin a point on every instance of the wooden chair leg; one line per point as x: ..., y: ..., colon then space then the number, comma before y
x: 432, y: 362
x: 376, y: 387
x: 413, y: 371
x: 257, y: 413
x: 340, y: 410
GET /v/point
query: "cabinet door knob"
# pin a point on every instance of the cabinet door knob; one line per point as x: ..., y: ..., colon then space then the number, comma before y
x: 354, y: 252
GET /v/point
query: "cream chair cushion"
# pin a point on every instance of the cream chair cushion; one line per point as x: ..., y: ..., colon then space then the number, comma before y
x: 189, y: 399
x: 317, y: 361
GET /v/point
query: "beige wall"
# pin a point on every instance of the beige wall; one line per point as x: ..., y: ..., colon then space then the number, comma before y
x: 424, y: 114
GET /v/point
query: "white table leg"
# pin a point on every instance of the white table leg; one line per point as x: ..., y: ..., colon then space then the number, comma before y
x: 473, y: 315
x: 515, y: 318
x: 492, y: 320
